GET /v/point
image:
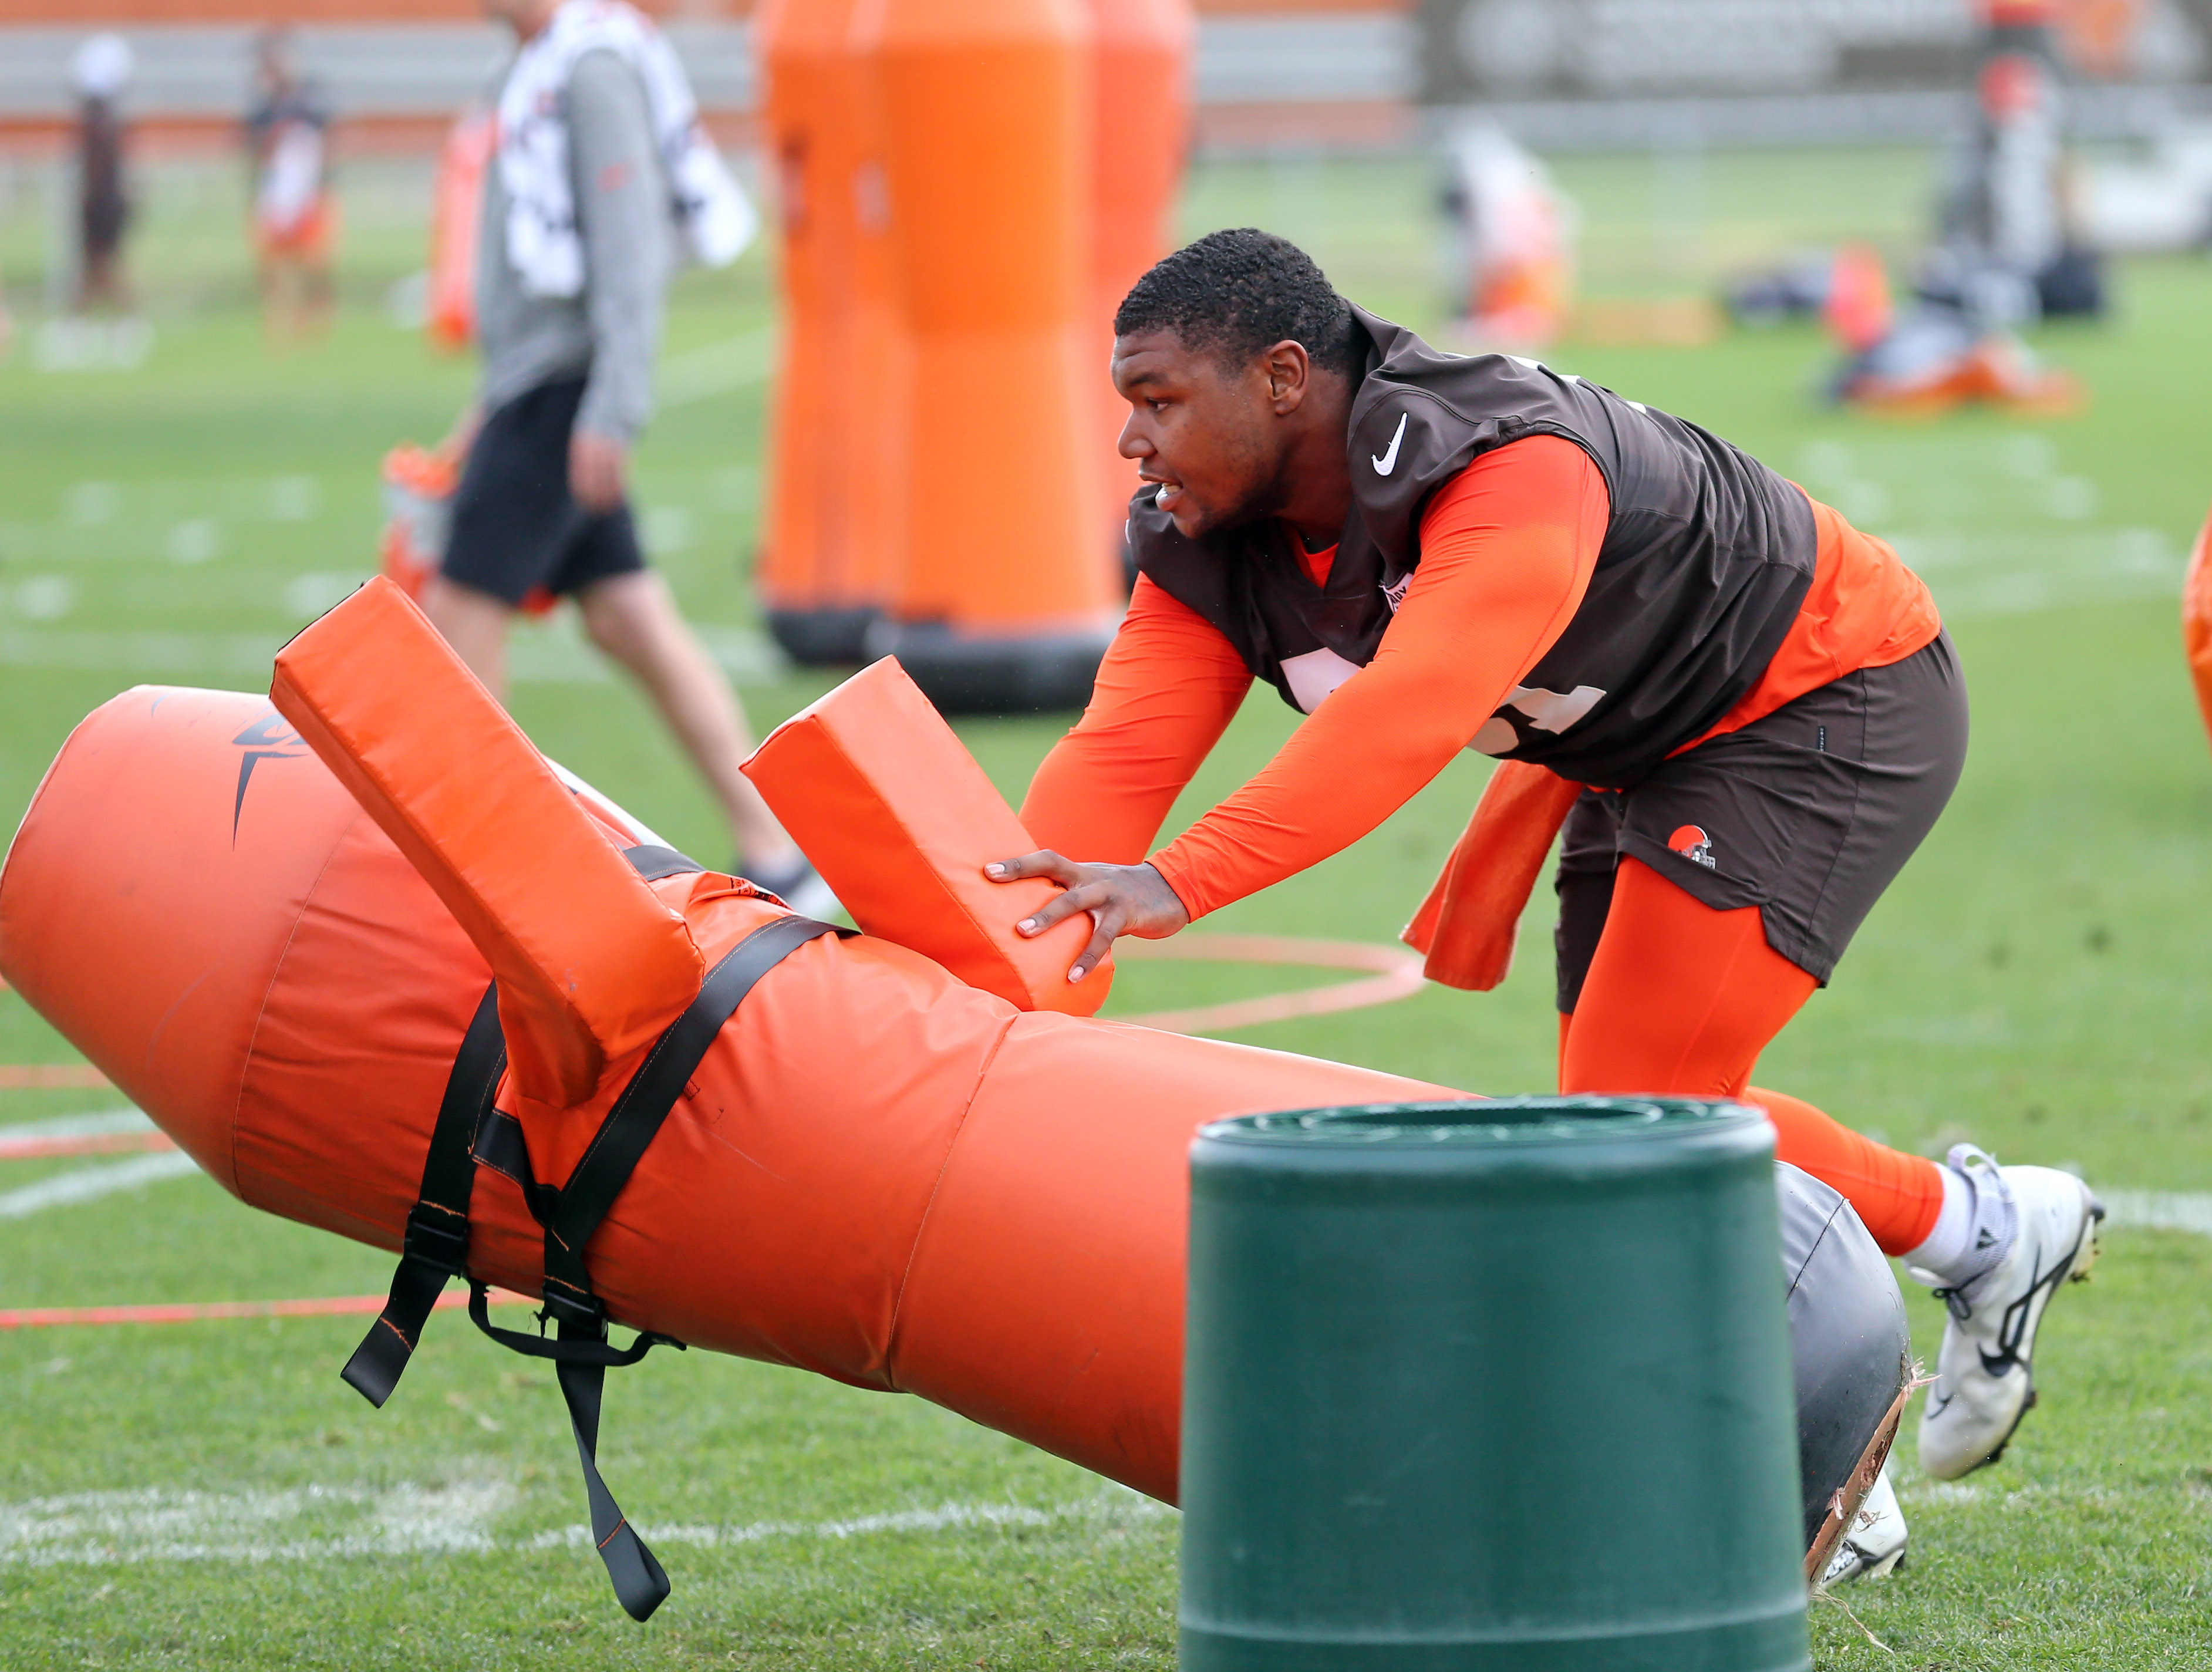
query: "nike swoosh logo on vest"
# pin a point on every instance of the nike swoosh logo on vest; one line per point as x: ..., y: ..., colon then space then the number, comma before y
x: 1388, y: 461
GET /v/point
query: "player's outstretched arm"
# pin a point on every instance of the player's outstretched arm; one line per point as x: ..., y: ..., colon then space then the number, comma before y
x: 1169, y: 687
x: 1507, y: 549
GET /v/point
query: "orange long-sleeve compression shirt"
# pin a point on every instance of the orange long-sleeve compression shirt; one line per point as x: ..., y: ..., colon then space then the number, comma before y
x: 1507, y: 549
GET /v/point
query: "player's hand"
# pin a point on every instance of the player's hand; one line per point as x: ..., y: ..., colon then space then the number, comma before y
x: 596, y: 463
x: 1121, y: 899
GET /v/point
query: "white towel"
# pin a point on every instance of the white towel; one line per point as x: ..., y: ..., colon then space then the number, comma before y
x: 717, y: 219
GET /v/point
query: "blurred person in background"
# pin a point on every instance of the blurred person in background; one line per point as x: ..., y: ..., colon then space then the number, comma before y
x: 295, y: 211
x: 1513, y: 243
x: 2005, y: 255
x: 99, y: 71
x: 601, y: 169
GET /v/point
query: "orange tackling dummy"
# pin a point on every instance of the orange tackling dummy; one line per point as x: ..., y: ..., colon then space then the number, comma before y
x: 271, y: 926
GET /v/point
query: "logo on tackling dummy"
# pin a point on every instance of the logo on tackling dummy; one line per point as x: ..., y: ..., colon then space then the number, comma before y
x: 269, y: 738
x: 1693, y: 845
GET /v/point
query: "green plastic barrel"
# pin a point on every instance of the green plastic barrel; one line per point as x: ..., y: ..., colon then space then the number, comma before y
x: 1501, y: 1385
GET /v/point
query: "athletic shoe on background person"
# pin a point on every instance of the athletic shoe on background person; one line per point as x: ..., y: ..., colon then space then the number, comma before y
x: 799, y: 885
x: 2040, y: 1226
x: 1874, y: 1544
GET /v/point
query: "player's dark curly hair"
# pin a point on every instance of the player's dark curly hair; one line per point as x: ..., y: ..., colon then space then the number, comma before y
x: 1237, y: 292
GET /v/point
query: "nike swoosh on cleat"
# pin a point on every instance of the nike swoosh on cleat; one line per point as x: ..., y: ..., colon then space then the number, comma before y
x: 2014, y: 1330
x: 1388, y: 461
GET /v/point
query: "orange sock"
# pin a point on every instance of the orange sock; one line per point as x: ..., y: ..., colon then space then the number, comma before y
x: 1682, y: 998
x: 1897, y: 1196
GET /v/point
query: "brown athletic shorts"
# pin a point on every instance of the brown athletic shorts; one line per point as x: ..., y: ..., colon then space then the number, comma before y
x: 1806, y: 814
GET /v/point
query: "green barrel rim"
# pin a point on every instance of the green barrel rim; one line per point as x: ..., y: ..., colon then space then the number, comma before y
x: 1517, y: 1121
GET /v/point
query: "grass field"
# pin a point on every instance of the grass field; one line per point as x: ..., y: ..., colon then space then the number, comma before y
x: 2040, y: 979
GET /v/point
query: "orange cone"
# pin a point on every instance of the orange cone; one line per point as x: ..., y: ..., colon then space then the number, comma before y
x: 1004, y: 597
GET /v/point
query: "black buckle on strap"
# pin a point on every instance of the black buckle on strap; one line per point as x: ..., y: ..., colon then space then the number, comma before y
x: 437, y: 1237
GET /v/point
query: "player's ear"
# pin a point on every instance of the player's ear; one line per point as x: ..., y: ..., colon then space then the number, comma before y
x: 1288, y: 371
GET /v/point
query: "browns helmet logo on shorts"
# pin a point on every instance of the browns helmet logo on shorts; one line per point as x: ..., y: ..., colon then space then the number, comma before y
x: 1693, y: 844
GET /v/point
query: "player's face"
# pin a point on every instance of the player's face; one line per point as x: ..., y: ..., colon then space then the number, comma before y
x: 1208, y: 434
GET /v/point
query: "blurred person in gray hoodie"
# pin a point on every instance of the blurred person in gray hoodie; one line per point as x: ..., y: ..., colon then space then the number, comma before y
x: 601, y: 173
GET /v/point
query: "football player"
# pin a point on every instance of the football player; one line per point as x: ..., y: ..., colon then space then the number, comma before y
x: 1426, y: 553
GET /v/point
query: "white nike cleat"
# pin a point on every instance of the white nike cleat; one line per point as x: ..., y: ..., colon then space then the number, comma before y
x: 1983, y: 1381
x: 1874, y: 1544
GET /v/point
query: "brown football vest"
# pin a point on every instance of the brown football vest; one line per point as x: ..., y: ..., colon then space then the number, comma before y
x: 1706, y: 558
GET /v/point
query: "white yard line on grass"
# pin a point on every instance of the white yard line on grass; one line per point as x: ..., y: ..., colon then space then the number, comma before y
x: 89, y: 1183
x: 2158, y: 1210
x: 324, y: 1524
x: 313, y: 1523
x: 105, y: 1123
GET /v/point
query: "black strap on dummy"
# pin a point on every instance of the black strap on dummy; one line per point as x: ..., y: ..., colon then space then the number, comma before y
x: 581, y: 1352
x: 469, y: 1131
x: 437, y: 1241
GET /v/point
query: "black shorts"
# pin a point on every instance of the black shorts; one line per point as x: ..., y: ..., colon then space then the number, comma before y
x: 515, y: 525
x: 1807, y: 814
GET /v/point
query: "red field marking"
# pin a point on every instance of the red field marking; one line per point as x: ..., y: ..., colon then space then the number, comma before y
x: 98, y: 1143
x: 1397, y: 975
x: 44, y: 1318
x: 48, y: 1076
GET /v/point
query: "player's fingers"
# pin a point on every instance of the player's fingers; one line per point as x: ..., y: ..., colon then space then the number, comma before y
x: 1043, y: 863
x: 1102, y: 941
x: 1089, y: 897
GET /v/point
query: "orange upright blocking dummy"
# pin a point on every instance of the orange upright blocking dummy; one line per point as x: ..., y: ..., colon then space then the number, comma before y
x: 1141, y: 127
x: 1006, y: 595
x: 900, y: 821
x: 2196, y: 619
x: 277, y: 935
x: 821, y: 572
x: 1468, y: 925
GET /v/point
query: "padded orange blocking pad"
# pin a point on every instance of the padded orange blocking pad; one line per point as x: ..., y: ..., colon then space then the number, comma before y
x: 1468, y: 925
x: 2197, y: 620
x: 900, y: 821
x: 589, y: 970
x: 876, y: 1173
